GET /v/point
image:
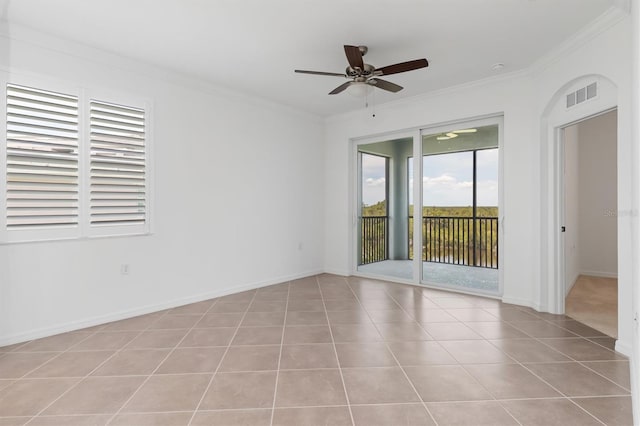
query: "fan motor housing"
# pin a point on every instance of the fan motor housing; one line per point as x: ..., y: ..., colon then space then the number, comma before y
x: 357, y: 72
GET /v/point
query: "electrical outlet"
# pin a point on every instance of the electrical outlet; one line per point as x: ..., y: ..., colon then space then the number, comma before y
x: 124, y: 269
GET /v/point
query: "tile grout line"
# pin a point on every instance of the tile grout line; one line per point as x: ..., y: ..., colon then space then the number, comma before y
x: 148, y: 377
x: 335, y: 352
x: 573, y: 360
x: 60, y: 353
x: 590, y: 338
x: 459, y: 321
x: 583, y: 363
x: 97, y: 367
x: 516, y: 361
x: 204, y: 393
x: 284, y: 326
x: 498, y: 320
x: 538, y: 339
x: 406, y: 376
x: 463, y: 366
x: 387, y: 292
x: 565, y: 396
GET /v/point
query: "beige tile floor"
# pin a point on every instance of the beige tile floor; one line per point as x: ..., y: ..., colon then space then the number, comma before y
x: 322, y: 350
x: 594, y: 301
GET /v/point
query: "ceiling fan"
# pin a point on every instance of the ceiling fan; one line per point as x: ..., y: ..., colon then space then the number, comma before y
x: 366, y: 75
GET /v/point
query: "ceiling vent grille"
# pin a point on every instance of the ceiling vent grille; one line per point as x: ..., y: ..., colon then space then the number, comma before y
x: 582, y: 95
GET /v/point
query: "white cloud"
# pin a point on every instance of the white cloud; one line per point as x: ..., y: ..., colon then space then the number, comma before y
x: 373, y: 190
x: 375, y: 182
x: 445, y: 181
x: 488, y: 193
x: 447, y: 190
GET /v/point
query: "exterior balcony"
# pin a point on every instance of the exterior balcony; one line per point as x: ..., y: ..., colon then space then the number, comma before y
x: 458, y: 252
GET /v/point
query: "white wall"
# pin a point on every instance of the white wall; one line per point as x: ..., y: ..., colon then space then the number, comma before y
x: 598, y: 250
x: 237, y: 189
x: 604, y: 56
x: 571, y: 210
x: 635, y: 205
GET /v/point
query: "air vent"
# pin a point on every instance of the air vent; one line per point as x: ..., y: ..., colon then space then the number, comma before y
x: 582, y: 94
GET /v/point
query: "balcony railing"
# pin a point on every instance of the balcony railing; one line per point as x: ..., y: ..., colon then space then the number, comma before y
x: 374, y: 239
x: 451, y: 240
x: 458, y: 240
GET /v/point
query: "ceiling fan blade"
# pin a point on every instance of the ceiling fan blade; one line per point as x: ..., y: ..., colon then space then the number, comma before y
x: 354, y: 56
x: 403, y: 67
x: 330, y: 74
x: 341, y: 88
x: 385, y: 85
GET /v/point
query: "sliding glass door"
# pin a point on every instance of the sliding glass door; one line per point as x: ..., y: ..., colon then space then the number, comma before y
x: 460, y: 209
x: 374, y: 214
x: 382, y: 209
x: 433, y: 221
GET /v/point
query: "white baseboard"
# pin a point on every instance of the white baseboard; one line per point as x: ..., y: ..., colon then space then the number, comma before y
x: 573, y: 282
x: 624, y: 348
x: 521, y: 302
x: 600, y: 274
x: 341, y: 272
x: 147, y: 309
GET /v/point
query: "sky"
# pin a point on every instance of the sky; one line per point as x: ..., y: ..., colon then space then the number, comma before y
x: 447, y: 179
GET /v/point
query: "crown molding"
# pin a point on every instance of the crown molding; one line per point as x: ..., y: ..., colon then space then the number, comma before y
x: 30, y: 36
x: 446, y: 91
x: 610, y: 18
x: 624, y: 5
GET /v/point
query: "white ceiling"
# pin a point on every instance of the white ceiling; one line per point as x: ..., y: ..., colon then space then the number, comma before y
x: 253, y: 46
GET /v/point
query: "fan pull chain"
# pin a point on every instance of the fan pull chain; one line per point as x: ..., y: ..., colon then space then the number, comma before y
x: 373, y: 95
x: 373, y: 102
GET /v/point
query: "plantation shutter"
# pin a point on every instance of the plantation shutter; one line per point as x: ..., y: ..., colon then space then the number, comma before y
x: 42, y: 158
x: 118, y: 165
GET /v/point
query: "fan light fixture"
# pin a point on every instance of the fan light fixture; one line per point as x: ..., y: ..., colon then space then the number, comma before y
x: 359, y: 89
x: 455, y: 134
x: 447, y: 136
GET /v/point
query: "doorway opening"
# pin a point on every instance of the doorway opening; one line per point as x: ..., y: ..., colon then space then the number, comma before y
x: 589, y: 213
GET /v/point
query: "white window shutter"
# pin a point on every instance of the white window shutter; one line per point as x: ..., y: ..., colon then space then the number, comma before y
x: 118, y: 182
x: 42, y: 159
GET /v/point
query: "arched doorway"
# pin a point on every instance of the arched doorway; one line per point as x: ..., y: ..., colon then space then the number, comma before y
x: 560, y: 113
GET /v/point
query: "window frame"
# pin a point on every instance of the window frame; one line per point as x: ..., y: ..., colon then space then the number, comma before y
x: 84, y: 229
x: 129, y: 101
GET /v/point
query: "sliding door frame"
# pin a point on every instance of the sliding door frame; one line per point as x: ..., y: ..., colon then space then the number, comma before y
x: 416, y: 134
x: 448, y: 127
x: 356, y: 198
